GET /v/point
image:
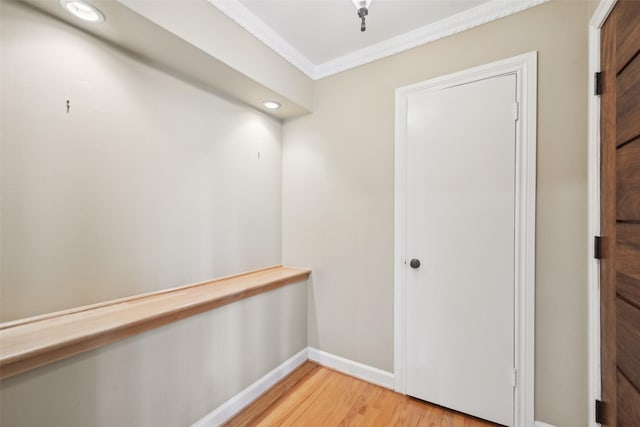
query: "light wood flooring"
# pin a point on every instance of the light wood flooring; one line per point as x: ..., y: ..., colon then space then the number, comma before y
x: 317, y: 396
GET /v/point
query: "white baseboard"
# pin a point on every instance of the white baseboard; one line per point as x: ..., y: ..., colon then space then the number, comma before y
x: 233, y: 406
x: 355, y: 369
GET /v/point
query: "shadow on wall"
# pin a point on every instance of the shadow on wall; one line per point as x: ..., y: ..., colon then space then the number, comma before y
x: 170, y: 376
x: 147, y: 183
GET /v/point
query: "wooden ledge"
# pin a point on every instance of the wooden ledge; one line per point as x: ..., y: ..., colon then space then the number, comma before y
x: 36, y: 341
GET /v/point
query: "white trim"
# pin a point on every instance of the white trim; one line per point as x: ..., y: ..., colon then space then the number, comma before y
x: 242, y: 16
x: 525, y: 68
x: 237, y: 403
x: 231, y: 407
x: 599, y: 16
x: 486, y: 12
x: 542, y: 424
x: 463, y: 21
x: 355, y: 369
x: 399, y: 223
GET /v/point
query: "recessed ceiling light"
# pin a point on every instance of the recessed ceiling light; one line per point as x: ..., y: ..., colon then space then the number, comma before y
x: 83, y: 10
x: 271, y: 105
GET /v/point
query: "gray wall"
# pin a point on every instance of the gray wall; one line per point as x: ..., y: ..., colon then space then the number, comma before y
x: 147, y: 183
x: 167, y: 377
x: 338, y: 196
x: 173, y: 171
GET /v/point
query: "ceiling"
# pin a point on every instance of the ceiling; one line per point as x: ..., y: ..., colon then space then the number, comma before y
x: 175, y: 53
x: 323, y: 30
x: 322, y: 37
x: 197, y: 42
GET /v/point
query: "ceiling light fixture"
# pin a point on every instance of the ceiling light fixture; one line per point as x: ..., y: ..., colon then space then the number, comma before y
x: 83, y: 10
x: 362, y: 6
x: 271, y: 105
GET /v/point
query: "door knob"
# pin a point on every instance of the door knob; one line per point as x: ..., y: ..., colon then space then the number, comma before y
x: 414, y: 263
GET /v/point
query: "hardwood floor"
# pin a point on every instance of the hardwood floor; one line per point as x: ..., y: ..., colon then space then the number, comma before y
x: 317, y: 396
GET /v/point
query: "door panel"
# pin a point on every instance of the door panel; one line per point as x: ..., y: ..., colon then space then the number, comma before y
x: 628, y: 179
x: 627, y: 287
x: 628, y: 403
x: 628, y: 250
x: 627, y: 32
x: 628, y: 118
x: 620, y: 215
x: 628, y: 342
x: 460, y: 224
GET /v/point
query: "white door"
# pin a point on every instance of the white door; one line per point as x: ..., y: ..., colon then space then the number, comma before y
x: 460, y: 226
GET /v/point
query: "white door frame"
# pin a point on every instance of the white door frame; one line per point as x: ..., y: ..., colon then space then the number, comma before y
x: 595, y: 24
x: 525, y: 68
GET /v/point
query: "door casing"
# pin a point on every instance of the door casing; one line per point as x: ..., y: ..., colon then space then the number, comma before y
x: 525, y: 68
x: 597, y: 20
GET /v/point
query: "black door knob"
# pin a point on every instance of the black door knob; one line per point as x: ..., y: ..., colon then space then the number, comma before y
x: 414, y: 263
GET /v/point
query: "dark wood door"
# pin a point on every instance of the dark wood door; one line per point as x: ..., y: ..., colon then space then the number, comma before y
x: 620, y: 215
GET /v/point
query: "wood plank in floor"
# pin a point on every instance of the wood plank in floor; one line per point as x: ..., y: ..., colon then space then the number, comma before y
x: 317, y: 396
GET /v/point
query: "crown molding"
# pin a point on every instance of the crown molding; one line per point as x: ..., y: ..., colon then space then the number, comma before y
x: 486, y: 12
x: 462, y: 21
x: 242, y: 16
